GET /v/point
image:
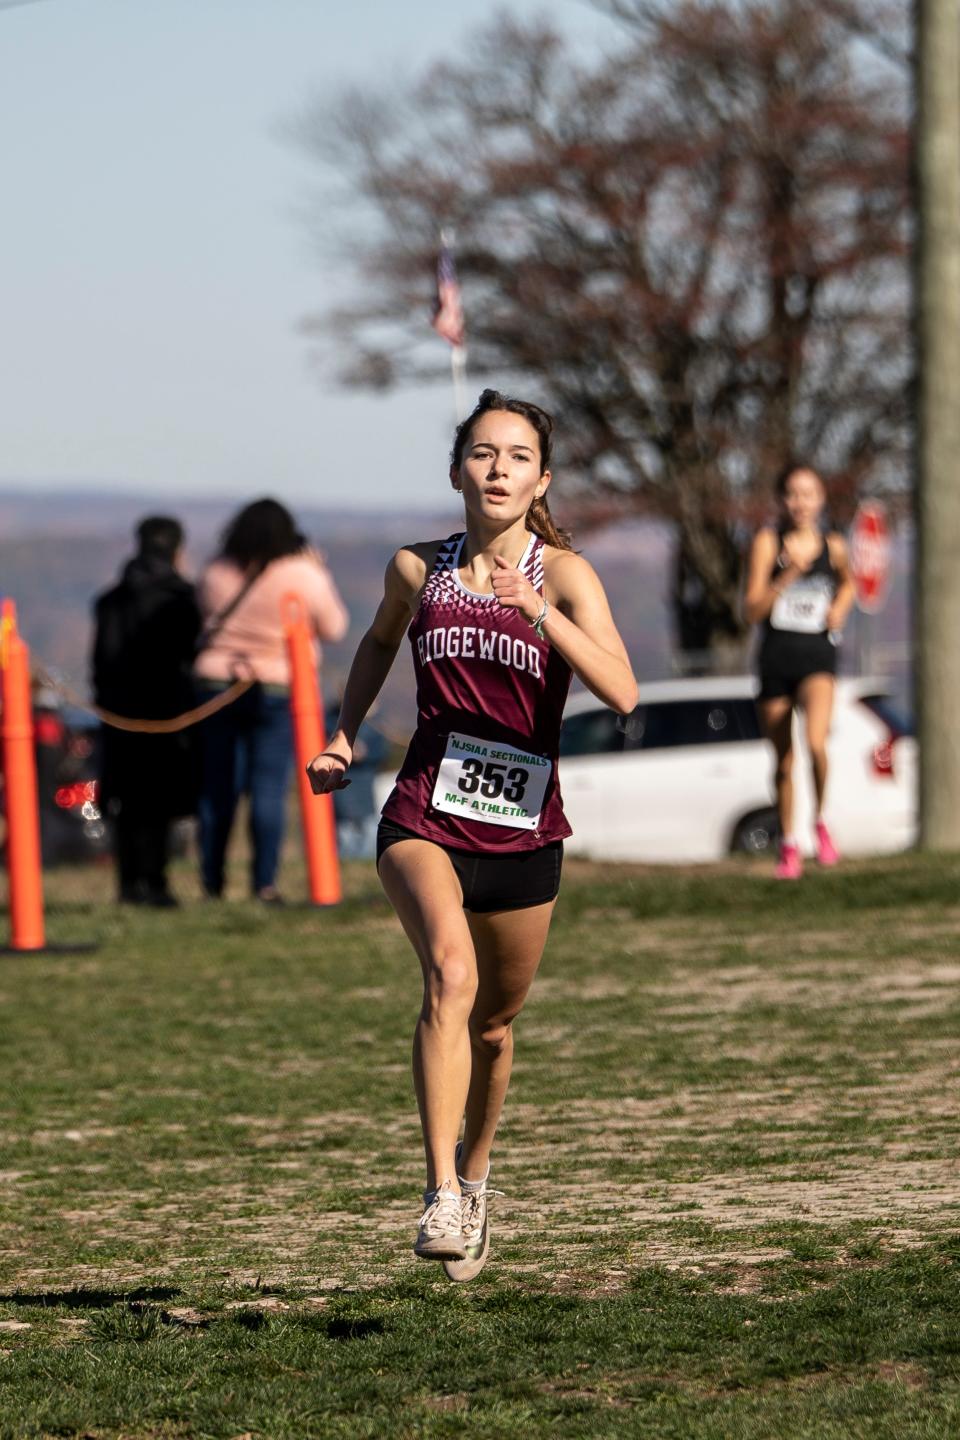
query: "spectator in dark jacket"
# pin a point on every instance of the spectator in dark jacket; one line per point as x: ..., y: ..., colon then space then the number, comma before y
x: 147, y: 628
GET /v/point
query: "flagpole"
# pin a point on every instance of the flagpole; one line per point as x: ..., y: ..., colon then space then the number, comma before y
x: 458, y: 353
x: 458, y: 374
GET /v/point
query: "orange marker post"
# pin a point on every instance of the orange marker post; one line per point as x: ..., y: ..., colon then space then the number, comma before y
x: 319, y: 826
x: 20, y: 778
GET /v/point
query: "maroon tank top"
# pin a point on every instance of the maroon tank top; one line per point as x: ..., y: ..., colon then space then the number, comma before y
x: 481, y: 770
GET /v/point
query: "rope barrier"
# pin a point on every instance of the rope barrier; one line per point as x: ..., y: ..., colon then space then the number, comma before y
x: 147, y: 727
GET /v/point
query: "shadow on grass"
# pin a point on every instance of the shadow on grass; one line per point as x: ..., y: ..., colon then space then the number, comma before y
x: 346, y: 1327
x: 84, y: 1299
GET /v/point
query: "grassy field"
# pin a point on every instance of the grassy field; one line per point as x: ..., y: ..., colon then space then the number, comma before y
x: 732, y: 1199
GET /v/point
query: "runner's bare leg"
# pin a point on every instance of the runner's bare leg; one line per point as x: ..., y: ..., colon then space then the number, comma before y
x: 508, y: 947
x: 423, y: 888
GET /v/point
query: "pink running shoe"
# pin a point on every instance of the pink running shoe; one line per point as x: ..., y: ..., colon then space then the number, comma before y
x: 827, y: 853
x: 790, y: 864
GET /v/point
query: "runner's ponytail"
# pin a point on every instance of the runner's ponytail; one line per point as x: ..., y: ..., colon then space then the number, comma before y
x: 542, y: 523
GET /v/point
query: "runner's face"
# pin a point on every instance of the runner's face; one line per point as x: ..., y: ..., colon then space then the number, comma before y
x: 500, y: 470
x: 803, y: 498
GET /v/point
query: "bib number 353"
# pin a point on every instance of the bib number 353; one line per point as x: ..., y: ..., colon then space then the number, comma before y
x: 486, y: 780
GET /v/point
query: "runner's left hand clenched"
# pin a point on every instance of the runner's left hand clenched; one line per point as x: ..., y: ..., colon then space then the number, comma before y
x: 513, y: 589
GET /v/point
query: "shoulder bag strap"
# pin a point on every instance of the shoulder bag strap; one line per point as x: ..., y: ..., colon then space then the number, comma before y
x: 217, y: 622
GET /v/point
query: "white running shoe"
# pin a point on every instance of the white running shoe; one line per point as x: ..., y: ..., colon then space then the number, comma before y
x: 475, y: 1222
x: 440, y: 1233
x: 476, y: 1237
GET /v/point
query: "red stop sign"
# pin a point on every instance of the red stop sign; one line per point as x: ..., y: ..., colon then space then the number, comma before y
x: 870, y: 554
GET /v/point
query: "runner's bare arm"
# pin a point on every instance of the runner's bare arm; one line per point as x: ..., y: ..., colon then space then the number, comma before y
x: 761, y: 593
x: 404, y: 579
x: 578, y: 624
x: 846, y: 590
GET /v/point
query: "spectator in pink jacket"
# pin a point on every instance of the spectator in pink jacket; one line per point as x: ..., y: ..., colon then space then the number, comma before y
x: 248, y: 746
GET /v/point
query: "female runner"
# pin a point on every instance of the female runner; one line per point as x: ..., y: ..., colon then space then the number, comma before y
x: 471, y: 839
x: 799, y: 587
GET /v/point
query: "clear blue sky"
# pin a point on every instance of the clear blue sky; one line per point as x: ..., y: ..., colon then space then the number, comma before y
x: 152, y: 264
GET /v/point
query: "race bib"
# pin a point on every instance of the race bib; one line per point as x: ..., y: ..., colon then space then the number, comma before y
x: 489, y: 781
x: 803, y: 607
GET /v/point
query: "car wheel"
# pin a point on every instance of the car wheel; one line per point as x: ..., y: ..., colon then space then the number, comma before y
x: 756, y: 834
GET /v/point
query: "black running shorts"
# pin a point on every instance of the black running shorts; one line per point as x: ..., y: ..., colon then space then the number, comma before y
x: 492, y: 882
x: 785, y: 659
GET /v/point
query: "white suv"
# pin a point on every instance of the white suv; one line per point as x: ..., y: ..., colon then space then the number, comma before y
x: 688, y: 776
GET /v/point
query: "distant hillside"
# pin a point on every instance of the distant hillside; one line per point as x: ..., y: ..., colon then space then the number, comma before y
x: 57, y: 551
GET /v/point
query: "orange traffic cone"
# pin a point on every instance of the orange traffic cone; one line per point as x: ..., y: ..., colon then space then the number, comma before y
x: 319, y: 826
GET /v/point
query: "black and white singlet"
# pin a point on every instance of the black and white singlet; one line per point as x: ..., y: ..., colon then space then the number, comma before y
x: 795, y: 641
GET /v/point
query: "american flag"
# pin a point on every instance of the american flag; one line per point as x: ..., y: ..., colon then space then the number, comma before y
x: 448, y: 307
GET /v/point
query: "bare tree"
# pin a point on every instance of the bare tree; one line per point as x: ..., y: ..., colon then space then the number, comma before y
x: 695, y: 249
x: 938, y: 493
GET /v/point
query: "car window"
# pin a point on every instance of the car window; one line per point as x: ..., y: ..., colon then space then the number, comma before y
x: 671, y: 723
x: 660, y: 725
x: 591, y: 732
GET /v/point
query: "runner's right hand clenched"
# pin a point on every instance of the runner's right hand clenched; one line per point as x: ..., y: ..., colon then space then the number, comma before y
x: 327, y: 772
